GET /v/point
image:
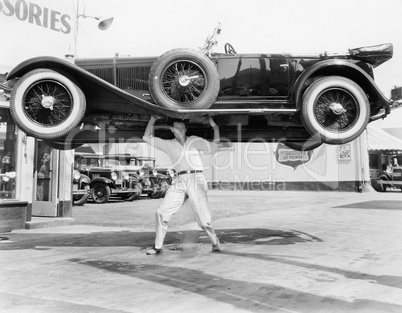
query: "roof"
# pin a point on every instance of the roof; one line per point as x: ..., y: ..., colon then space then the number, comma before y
x: 379, y: 139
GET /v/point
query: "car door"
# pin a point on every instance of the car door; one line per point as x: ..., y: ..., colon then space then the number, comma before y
x: 253, y: 77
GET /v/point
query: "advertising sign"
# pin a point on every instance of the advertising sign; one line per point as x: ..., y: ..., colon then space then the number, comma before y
x: 35, y: 28
x: 291, y: 158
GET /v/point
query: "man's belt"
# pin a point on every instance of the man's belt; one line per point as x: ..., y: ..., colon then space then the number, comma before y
x: 188, y: 172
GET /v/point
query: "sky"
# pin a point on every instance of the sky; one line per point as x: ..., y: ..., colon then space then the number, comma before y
x: 152, y: 27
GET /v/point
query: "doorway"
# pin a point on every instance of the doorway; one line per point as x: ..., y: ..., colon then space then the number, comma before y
x: 45, y: 180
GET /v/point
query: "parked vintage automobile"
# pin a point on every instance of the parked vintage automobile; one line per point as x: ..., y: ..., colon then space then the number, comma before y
x: 391, y: 179
x: 301, y: 99
x: 154, y: 181
x: 107, y: 178
x: 81, y: 188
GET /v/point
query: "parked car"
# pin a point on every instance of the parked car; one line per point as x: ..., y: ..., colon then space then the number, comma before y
x: 327, y: 97
x: 154, y: 181
x: 81, y: 188
x: 391, y: 179
x: 107, y: 178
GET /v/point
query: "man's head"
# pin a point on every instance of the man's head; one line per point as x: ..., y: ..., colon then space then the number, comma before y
x: 179, y: 128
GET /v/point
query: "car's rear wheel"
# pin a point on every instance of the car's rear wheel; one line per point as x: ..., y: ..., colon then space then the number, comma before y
x: 184, y: 79
x: 46, y: 104
x: 336, y: 109
x: 100, y: 193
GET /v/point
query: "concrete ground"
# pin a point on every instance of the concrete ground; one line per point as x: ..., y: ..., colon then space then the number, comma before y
x: 331, y: 252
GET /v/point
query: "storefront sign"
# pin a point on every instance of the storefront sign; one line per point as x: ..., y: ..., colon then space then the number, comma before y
x: 292, y: 158
x: 33, y: 13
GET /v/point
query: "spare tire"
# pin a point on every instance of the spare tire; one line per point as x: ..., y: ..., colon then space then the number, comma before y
x: 46, y: 104
x: 184, y: 79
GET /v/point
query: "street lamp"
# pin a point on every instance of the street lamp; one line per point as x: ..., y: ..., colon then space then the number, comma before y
x: 104, y: 23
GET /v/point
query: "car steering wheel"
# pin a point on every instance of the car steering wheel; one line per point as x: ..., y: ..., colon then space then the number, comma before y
x: 229, y: 49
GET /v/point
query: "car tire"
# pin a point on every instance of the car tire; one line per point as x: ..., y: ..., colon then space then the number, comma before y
x: 46, y: 104
x: 184, y: 79
x: 349, y: 114
x: 80, y: 200
x: 100, y: 193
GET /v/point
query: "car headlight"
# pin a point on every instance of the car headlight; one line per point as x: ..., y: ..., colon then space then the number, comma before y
x: 171, y: 172
x: 77, y: 175
x: 114, y: 175
x: 126, y: 176
x: 142, y: 172
x: 155, y: 172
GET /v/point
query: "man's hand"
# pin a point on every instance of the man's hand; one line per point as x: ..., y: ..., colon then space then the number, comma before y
x: 150, y: 126
x: 155, y: 117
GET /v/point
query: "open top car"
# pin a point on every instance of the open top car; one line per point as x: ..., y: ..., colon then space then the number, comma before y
x: 300, y: 99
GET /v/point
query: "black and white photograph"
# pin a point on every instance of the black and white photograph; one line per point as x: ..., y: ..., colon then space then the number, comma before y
x: 190, y: 156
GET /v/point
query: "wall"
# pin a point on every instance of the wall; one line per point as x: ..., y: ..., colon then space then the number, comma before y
x: 258, y: 166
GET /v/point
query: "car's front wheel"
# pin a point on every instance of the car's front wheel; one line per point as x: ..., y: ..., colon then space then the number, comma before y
x: 336, y: 109
x: 100, y: 193
x: 184, y: 79
x: 47, y: 104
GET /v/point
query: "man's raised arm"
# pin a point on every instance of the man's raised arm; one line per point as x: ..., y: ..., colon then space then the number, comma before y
x: 149, y: 130
x: 217, y: 135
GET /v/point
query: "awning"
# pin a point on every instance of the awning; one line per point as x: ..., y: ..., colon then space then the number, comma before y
x: 378, y: 139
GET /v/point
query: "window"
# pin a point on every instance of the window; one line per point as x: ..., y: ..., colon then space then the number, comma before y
x: 7, y: 155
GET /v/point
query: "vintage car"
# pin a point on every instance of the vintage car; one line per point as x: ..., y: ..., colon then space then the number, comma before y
x: 107, y: 178
x: 300, y: 99
x: 389, y: 179
x: 154, y: 181
x: 81, y: 188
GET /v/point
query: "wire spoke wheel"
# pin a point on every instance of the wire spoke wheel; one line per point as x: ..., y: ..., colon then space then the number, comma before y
x: 183, y: 81
x: 48, y: 103
x: 331, y: 119
x: 336, y: 109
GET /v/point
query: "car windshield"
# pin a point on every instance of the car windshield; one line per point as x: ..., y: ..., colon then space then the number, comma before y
x: 81, y: 163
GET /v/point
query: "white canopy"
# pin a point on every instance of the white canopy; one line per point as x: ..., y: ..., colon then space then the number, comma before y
x: 379, y: 139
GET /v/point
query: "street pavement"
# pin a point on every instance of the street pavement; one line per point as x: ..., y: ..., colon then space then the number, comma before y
x: 328, y: 252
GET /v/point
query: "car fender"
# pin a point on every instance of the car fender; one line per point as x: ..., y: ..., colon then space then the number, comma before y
x: 88, y: 81
x: 84, y: 179
x: 344, y: 68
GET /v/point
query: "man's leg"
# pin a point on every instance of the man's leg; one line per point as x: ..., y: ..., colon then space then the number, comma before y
x: 172, y: 202
x: 197, y: 192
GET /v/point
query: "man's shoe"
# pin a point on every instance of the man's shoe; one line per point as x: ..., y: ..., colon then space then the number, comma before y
x: 217, y: 247
x: 154, y: 251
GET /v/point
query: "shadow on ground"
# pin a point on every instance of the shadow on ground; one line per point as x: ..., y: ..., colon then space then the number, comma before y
x: 250, y: 296
x: 252, y: 236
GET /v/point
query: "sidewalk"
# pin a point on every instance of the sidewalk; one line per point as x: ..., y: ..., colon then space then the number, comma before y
x: 344, y: 256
